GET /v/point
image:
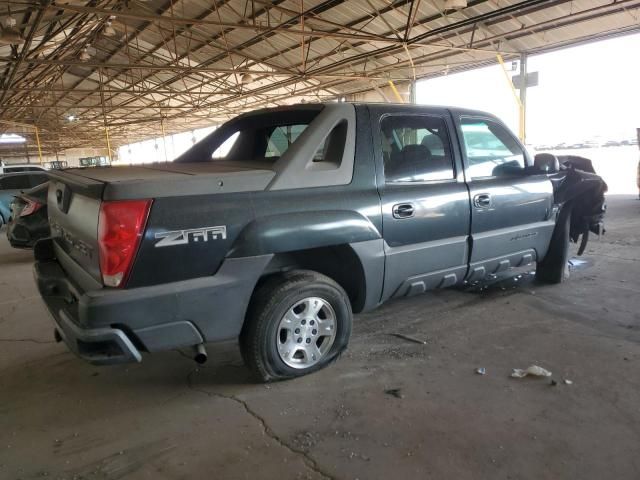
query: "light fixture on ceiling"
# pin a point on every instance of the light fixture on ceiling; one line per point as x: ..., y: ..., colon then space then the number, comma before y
x: 11, y: 138
x: 9, y: 34
x: 71, y: 117
x: 246, y: 78
x: 455, y: 4
x: 84, y: 54
x: 108, y: 30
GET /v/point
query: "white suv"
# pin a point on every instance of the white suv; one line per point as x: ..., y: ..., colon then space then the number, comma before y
x: 20, y: 167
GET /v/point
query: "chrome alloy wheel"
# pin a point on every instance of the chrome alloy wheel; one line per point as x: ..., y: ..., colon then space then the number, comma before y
x: 306, y: 332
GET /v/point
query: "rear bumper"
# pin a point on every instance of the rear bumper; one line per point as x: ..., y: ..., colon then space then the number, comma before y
x: 99, y: 346
x: 110, y: 326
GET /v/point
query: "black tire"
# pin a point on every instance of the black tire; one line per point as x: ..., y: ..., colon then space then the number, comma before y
x: 554, y: 268
x: 271, y: 301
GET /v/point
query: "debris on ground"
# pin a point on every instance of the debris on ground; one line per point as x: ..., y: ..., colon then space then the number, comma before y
x: 553, y: 383
x: 568, y: 382
x: 396, y: 392
x: 409, y: 338
x: 481, y: 371
x: 533, y: 370
x: 306, y: 440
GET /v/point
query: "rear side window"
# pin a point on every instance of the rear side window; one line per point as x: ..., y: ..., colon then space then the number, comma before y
x: 416, y: 148
x: 37, y: 179
x: 18, y: 182
x: 332, y: 149
x: 491, y: 149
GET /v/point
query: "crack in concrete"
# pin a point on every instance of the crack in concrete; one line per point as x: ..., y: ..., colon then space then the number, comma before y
x: 267, y: 430
x: 29, y: 340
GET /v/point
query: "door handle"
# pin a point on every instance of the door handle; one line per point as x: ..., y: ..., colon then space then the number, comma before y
x: 403, y: 210
x: 482, y: 200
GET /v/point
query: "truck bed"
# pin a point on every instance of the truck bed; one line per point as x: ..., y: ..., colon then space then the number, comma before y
x: 168, y: 179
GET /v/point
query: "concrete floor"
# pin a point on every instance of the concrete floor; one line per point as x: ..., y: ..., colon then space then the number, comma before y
x: 167, y: 419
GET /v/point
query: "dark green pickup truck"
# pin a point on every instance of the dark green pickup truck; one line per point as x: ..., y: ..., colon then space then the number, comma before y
x: 284, y: 222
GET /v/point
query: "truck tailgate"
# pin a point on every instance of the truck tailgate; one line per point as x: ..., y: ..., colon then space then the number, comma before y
x: 75, y: 196
x: 73, y: 204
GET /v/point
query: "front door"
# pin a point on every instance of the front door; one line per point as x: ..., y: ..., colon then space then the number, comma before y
x: 425, y: 202
x: 511, y: 204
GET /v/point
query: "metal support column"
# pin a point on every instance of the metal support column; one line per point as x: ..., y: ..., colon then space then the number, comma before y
x: 26, y: 151
x: 521, y: 132
x: 39, y: 145
x: 523, y: 97
x: 396, y: 92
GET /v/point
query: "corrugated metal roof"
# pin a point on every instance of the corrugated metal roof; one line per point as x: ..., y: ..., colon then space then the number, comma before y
x: 191, y: 63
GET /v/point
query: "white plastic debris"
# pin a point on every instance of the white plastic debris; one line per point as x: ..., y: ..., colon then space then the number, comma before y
x: 481, y: 371
x: 568, y: 382
x: 533, y: 370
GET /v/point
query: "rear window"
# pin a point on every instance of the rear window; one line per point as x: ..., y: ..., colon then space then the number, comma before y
x: 260, y: 137
x: 281, y: 138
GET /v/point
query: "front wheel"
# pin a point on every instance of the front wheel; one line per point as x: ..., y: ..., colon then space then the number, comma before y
x: 298, y: 323
x: 554, y: 268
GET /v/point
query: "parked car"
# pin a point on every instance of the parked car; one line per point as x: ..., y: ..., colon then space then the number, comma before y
x: 13, y: 184
x: 29, y: 222
x: 20, y: 167
x: 284, y: 222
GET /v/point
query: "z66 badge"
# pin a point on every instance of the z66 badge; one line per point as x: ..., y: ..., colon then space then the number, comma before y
x: 195, y: 235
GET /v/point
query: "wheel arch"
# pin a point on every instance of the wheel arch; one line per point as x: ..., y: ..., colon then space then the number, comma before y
x: 342, y: 263
x: 344, y: 245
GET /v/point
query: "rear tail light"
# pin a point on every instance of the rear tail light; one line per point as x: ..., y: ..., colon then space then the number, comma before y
x: 30, y: 208
x: 120, y: 229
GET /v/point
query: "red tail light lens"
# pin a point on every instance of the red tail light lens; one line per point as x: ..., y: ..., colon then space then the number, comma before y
x: 30, y: 208
x: 120, y: 229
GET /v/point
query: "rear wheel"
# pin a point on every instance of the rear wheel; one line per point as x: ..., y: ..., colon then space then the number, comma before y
x: 297, y: 323
x: 554, y: 268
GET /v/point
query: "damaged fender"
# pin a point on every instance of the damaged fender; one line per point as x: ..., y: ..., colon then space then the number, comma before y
x: 578, y: 186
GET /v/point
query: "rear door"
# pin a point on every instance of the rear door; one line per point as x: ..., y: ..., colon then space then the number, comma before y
x: 511, y: 204
x: 425, y: 202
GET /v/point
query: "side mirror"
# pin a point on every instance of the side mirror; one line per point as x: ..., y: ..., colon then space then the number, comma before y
x: 546, y: 162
